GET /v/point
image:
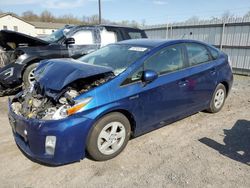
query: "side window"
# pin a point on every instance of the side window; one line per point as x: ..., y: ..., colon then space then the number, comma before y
x: 214, y: 53
x: 15, y: 28
x: 197, y: 54
x: 108, y: 37
x: 83, y: 37
x: 135, y: 77
x: 167, y: 60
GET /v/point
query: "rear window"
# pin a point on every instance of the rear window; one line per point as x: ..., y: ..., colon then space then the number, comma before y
x: 135, y: 35
x: 83, y: 37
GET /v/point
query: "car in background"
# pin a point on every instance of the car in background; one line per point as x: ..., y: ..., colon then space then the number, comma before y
x: 96, y: 103
x: 23, y: 52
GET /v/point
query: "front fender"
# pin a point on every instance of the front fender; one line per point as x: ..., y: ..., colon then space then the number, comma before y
x: 99, y: 112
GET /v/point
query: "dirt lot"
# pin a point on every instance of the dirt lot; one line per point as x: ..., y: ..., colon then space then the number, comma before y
x: 204, y: 150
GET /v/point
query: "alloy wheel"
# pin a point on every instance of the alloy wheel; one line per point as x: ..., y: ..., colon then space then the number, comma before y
x: 219, y: 98
x: 111, y: 138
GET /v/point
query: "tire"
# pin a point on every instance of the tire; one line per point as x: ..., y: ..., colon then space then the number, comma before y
x: 218, y: 99
x: 102, y: 145
x: 28, y: 75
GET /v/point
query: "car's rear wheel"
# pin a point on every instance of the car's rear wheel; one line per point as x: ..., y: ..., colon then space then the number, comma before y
x: 29, y: 75
x: 218, y: 99
x: 109, y: 136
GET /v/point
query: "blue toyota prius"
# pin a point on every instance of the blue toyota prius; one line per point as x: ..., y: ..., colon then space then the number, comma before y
x: 97, y: 103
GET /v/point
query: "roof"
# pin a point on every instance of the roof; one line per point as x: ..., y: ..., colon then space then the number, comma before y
x: 118, y: 26
x: 158, y: 42
x: 14, y: 15
x: 48, y: 25
x: 105, y: 25
x: 144, y: 42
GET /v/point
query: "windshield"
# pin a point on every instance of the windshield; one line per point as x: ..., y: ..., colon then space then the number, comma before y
x: 117, y: 57
x: 57, y: 35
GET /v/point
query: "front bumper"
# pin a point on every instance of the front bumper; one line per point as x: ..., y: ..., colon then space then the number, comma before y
x: 71, y: 134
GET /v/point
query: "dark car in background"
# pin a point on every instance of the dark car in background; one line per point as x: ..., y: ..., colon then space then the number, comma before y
x: 96, y: 103
x: 23, y: 52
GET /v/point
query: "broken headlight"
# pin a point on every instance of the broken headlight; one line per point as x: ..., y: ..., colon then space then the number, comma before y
x: 66, y: 110
x: 8, y: 73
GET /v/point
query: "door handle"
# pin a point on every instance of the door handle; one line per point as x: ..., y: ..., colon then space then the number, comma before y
x: 183, y: 83
x: 134, y: 97
x: 213, y: 71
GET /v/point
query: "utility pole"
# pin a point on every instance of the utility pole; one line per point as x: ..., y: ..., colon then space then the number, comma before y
x: 100, y: 12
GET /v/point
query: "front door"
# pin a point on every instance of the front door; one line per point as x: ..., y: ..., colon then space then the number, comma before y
x: 165, y: 99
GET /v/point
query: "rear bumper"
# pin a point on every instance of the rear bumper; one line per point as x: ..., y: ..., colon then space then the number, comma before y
x: 71, y: 134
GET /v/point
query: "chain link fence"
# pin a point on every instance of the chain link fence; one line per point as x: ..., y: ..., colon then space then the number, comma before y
x: 231, y: 35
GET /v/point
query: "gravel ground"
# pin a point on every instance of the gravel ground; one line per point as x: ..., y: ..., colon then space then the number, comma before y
x: 204, y: 150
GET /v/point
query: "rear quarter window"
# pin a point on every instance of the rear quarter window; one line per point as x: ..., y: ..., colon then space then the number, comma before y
x: 214, y: 53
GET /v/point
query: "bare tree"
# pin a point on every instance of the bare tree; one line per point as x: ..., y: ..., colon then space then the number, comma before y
x: 227, y: 15
x: 30, y: 16
x: 68, y: 19
x: 193, y: 19
x: 247, y: 15
x: 143, y: 22
x: 47, y: 16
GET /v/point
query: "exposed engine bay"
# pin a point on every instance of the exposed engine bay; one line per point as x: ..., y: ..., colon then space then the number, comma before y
x: 35, y: 103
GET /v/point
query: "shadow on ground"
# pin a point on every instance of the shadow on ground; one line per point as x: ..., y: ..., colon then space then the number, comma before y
x: 236, y: 142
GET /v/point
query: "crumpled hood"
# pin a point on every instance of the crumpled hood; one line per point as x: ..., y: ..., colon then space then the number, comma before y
x: 56, y: 74
x: 7, y: 36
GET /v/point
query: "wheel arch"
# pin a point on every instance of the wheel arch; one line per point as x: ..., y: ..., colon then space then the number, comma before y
x: 34, y: 60
x: 226, y: 85
x: 124, y: 112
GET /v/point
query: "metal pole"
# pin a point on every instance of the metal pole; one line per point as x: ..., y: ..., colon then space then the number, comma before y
x: 100, y: 11
x: 222, y: 35
x: 167, y: 32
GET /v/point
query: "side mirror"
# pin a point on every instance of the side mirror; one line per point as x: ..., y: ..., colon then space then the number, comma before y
x: 149, y: 76
x: 69, y: 41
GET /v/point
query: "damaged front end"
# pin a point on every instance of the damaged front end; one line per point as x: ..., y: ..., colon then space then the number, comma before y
x: 53, y: 99
x: 6, y: 57
x: 10, y: 41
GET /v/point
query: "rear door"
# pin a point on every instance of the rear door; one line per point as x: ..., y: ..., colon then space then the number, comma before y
x: 202, y: 76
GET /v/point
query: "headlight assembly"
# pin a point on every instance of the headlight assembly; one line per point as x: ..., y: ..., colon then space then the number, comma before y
x: 8, y: 73
x: 66, y: 110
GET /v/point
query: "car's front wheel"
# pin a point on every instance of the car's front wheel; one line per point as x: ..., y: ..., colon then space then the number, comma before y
x: 29, y: 75
x: 109, y: 136
x: 218, y: 99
